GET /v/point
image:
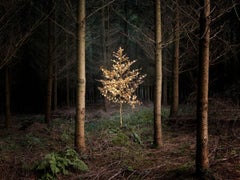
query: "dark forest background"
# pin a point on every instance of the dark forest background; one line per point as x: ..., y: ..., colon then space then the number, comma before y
x: 110, y: 24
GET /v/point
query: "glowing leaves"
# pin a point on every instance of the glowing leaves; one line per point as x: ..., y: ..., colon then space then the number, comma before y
x: 120, y: 82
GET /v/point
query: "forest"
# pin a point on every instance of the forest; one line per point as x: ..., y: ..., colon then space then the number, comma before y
x: 119, y: 89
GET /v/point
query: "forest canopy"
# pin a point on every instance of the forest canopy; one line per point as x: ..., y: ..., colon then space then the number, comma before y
x: 59, y: 83
x: 109, y: 25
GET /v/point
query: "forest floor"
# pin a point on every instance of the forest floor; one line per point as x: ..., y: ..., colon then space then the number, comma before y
x: 32, y: 150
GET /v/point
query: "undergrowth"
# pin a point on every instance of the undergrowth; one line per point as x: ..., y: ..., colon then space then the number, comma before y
x: 126, y: 145
x: 112, y: 152
x: 59, y: 163
x: 137, y: 127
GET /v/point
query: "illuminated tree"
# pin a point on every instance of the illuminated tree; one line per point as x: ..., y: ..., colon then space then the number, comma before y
x: 120, y: 83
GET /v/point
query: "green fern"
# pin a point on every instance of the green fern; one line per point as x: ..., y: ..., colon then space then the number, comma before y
x: 60, y: 163
x: 74, y: 160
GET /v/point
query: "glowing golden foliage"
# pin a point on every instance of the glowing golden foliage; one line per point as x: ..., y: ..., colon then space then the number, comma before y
x: 120, y: 83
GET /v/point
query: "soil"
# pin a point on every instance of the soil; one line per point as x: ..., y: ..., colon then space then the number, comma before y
x: 30, y: 140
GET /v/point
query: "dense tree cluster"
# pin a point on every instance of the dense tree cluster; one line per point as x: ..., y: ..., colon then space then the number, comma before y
x: 110, y: 24
x: 51, y: 52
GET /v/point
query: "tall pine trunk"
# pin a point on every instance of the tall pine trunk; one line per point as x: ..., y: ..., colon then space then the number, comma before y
x: 8, y: 122
x: 55, y: 97
x: 158, y: 82
x: 49, y: 67
x: 81, y: 79
x: 67, y: 73
x: 165, y: 88
x: 175, y: 66
x: 55, y: 93
x: 105, y: 37
x: 202, y: 162
x: 55, y: 104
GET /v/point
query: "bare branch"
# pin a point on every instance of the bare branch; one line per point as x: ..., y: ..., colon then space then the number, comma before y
x: 134, y: 26
x: 98, y: 9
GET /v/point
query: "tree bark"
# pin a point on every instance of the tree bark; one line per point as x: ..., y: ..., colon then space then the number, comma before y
x: 158, y: 82
x: 55, y: 99
x: 55, y: 86
x: 105, y: 38
x: 8, y: 122
x: 50, y: 68
x: 175, y: 67
x: 67, y: 74
x: 121, y: 115
x: 81, y: 80
x: 202, y: 162
x: 165, y: 88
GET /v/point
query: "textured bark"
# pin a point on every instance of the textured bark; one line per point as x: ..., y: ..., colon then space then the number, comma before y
x: 81, y: 80
x: 175, y: 66
x: 8, y: 122
x: 165, y: 88
x: 121, y: 115
x: 202, y: 162
x: 105, y: 38
x: 67, y: 74
x: 55, y: 104
x: 50, y: 68
x: 55, y: 97
x: 158, y: 82
x: 67, y: 91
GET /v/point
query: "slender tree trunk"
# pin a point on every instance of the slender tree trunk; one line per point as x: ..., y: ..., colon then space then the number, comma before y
x: 165, y: 82
x: 81, y: 80
x: 105, y: 36
x: 8, y: 122
x: 175, y: 67
x: 165, y: 59
x: 158, y: 84
x: 67, y: 73
x: 55, y: 100
x: 202, y: 162
x: 55, y: 86
x: 104, y: 53
x: 121, y: 116
x: 67, y: 91
x: 67, y: 44
x: 125, y: 40
x: 50, y: 68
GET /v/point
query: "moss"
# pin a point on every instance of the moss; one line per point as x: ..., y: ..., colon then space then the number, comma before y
x: 184, y: 171
x: 121, y: 139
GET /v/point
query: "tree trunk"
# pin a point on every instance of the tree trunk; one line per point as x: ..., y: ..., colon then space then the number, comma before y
x: 55, y: 86
x: 202, y: 163
x: 121, y: 116
x: 67, y: 90
x: 158, y: 82
x: 8, y: 122
x: 55, y: 99
x: 67, y: 73
x: 175, y: 67
x: 165, y: 81
x: 125, y: 38
x: 104, y: 46
x: 81, y: 80
x: 50, y: 67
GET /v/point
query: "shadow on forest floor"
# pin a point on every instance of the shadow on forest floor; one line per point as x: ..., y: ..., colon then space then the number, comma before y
x: 119, y: 153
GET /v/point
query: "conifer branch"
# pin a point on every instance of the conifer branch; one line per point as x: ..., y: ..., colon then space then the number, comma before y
x: 119, y: 84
